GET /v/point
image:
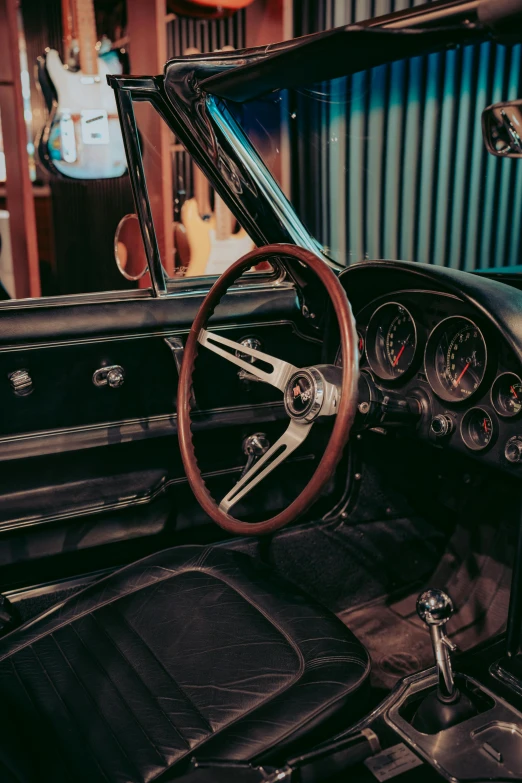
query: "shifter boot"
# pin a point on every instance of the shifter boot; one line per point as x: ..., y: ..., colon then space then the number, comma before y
x: 434, y: 715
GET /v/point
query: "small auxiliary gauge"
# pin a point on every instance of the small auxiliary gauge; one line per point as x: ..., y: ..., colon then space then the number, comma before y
x: 477, y: 429
x: 506, y: 394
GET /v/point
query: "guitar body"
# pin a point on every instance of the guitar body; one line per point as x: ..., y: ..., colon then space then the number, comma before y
x: 82, y: 138
x: 210, y: 255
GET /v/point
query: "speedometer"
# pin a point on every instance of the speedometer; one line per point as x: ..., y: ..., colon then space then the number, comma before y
x: 456, y: 358
x: 391, y: 341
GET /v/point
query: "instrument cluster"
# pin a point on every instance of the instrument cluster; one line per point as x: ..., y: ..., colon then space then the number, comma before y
x: 432, y: 348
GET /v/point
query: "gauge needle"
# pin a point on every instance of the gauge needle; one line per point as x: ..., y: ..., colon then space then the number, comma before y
x: 464, y: 371
x: 405, y: 343
x: 399, y: 355
x: 485, y: 425
x: 515, y: 395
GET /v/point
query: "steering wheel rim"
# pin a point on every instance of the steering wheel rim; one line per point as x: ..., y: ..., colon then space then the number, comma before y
x: 345, y: 404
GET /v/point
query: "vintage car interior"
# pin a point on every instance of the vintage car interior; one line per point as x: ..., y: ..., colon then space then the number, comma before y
x: 267, y: 526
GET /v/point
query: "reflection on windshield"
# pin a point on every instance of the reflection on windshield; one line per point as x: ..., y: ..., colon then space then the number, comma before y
x: 390, y: 163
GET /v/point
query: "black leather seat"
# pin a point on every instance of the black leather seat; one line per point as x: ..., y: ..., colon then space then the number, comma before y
x: 194, y: 651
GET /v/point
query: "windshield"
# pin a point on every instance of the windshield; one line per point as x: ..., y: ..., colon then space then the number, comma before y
x: 390, y: 163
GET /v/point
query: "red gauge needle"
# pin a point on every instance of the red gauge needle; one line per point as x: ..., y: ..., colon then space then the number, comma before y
x: 515, y: 395
x: 485, y: 425
x: 399, y: 355
x: 464, y: 371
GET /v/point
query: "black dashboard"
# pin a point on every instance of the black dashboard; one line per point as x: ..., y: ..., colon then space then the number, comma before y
x: 440, y: 355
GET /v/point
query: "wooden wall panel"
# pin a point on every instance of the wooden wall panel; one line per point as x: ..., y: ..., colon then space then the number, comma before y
x: 18, y: 184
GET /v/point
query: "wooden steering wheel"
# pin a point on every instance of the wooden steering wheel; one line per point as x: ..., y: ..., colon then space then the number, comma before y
x: 309, y: 393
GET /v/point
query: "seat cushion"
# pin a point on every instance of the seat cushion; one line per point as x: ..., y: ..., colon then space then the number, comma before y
x: 196, y: 651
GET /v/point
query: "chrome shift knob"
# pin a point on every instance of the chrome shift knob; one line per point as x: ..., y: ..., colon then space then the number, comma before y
x: 435, y: 607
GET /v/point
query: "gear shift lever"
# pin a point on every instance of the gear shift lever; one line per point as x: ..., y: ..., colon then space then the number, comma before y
x: 435, y: 608
x: 446, y: 706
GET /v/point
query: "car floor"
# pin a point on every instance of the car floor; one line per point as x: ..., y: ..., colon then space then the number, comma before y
x: 473, y: 570
x: 400, y: 536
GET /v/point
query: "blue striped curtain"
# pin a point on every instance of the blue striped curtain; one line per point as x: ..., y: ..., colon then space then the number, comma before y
x: 390, y: 163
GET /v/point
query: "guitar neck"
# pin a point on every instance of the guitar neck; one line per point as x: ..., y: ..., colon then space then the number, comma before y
x: 201, y: 192
x: 223, y: 218
x: 86, y: 24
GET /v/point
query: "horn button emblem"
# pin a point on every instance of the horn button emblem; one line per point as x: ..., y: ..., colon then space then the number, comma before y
x: 304, y: 395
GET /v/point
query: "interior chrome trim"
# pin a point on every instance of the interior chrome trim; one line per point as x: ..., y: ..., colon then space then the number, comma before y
x: 39, y: 443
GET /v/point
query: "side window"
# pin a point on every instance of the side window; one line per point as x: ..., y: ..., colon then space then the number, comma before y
x: 196, y: 232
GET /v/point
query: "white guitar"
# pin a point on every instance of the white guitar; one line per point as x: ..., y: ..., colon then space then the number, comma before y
x: 212, y: 241
x: 82, y: 138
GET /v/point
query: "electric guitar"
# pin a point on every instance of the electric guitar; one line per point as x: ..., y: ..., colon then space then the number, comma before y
x: 82, y: 137
x: 212, y: 241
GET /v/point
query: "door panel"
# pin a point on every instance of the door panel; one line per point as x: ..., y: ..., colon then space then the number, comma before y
x: 86, y: 467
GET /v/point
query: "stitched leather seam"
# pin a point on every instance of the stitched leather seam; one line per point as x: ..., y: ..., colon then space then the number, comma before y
x: 318, y: 662
x: 33, y: 639
x: 90, y: 698
x: 323, y: 708
x: 39, y: 711
x: 270, y: 620
x: 202, y: 558
x: 68, y: 711
x: 140, y: 678
x: 127, y: 706
x: 178, y: 686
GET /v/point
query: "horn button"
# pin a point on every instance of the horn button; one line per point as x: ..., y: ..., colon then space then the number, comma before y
x: 304, y: 395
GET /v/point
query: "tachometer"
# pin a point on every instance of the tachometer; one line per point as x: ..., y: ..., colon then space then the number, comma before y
x: 456, y: 357
x: 391, y: 341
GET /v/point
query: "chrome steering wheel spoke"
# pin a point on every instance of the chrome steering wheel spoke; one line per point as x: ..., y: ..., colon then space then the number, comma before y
x: 277, y: 376
x: 309, y: 392
x: 294, y: 435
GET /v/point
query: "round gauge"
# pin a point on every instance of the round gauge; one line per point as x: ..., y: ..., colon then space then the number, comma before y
x: 360, y: 346
x: 456, y: 357
x: 506, y: 394
x: 391, y: 341
x: 477, y: 429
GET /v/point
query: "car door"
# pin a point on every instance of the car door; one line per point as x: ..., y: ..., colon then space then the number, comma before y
x: 91, y: 471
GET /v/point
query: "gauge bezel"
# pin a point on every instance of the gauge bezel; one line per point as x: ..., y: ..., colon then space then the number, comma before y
x: 375, y: 365
x: 431, y: 371
x: 468, y: 442
x: 501, y: 413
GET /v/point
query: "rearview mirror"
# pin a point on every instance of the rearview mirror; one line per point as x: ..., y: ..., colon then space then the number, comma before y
x: 502, y: 129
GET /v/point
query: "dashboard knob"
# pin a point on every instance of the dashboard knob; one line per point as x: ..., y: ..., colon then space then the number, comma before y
x: 441, y: 425
x: 115, y: 377
x: 513, y: 449
x: 21, y: 382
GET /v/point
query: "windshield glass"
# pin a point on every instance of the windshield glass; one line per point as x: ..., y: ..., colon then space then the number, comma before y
x: 390, y: 163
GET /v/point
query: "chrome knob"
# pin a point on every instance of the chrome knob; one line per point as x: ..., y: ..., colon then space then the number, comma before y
x: 254, y: 446
x: 21, y: 382
x: 112, y: 376
x: 249, y: 342
x: 115, y: 377
x: 513, y: 449
x: 435, y: 608
x: 441, y: 425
